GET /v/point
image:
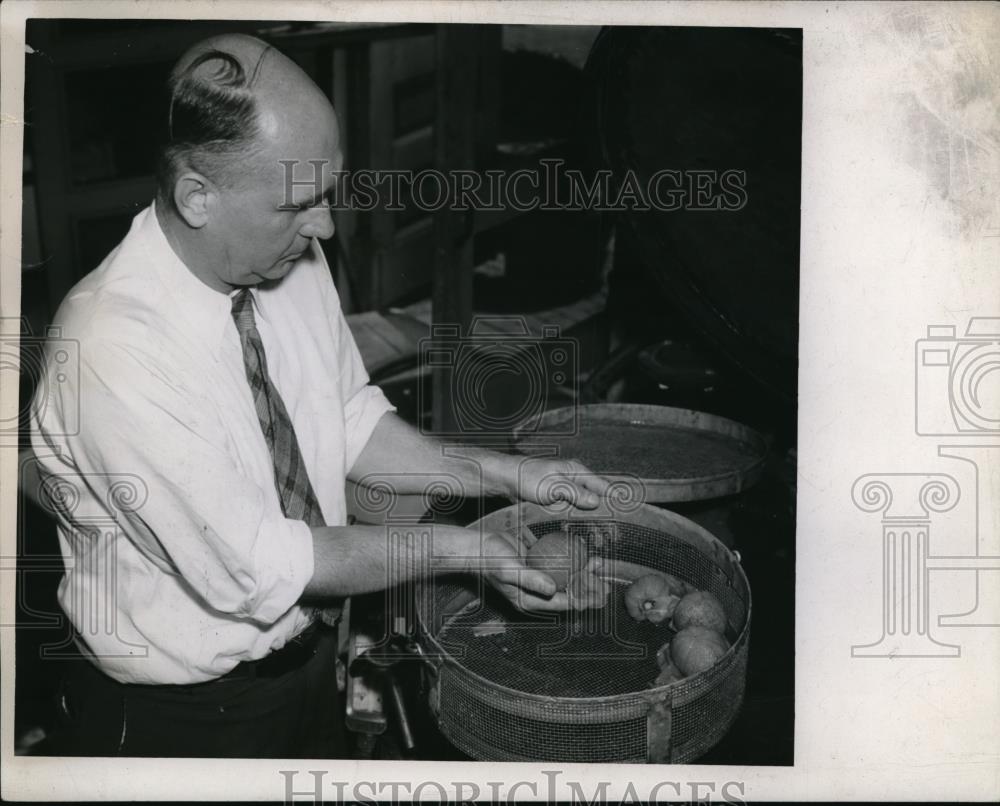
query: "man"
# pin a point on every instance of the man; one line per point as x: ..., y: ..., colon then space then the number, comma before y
x: 219, y: 379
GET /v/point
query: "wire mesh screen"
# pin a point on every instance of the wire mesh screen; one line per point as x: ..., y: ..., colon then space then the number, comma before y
x: 697, y: 455
x: 580, y: 686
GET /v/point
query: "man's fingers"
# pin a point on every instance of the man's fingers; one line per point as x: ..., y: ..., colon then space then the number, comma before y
x: 557, y: 604
x: 586, y: 499
x: 530, y: 592
x: 530, y: 580
x: 587, y: 589
x: 585, y: 488
x: 575, y: 494
x: 538, y: 582
x: 521, y: 537
x: 529, y: 603
x: 594, y: 487
x: 593, y: 481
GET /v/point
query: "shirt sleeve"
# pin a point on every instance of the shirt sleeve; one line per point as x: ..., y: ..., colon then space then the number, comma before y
x: 203, y: 519
x: 364, y: 404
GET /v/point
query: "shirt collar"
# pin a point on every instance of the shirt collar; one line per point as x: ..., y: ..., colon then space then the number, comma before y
x: 205, y: 311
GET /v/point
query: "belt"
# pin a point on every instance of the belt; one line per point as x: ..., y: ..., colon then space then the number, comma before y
x: 288, y: 658
x: 293, y: 655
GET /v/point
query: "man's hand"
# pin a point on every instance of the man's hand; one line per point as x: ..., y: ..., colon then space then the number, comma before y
x: 532, y: 590
x: 526, y: 588
x: 587, y: 588
x: 547, y: 481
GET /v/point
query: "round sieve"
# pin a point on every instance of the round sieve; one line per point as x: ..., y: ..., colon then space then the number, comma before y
x: 664, y: 454
x: 578, y: 687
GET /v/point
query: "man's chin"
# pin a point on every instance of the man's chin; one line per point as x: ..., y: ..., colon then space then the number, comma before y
x: 281, y: 268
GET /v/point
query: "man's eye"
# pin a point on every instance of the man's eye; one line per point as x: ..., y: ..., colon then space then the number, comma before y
x: 322, y: 202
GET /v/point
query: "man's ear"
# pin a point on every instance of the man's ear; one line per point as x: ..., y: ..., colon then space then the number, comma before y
x: 193, y: 195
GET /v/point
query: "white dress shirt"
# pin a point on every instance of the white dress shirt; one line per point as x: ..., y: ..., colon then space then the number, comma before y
x: 179, y: 561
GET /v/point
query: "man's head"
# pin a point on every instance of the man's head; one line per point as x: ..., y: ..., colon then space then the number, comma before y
x: 239, y: 112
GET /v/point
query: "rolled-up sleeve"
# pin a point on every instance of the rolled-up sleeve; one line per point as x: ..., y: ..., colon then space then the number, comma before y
x: 283, y: 567
x: 364, y: 404
x: 203, y: 519
x: 361, y: 414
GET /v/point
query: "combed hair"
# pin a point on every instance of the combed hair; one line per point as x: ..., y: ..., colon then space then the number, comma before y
x: 211, y: 120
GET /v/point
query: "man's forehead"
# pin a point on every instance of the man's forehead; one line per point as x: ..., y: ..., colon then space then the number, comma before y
x: 306, y: 183
x: 307, y: 168
x: 296, y: 125
x: 307, y: 149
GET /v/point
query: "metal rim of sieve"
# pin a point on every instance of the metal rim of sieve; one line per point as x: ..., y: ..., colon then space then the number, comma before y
x: 657, y: 490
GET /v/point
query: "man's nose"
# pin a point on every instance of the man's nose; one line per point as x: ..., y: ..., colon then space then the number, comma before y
x: 319, y: 225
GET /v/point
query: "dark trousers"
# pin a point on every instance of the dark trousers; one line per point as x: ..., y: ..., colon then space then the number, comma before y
x: 296, y: 714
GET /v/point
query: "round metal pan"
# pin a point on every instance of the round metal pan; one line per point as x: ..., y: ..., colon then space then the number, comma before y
x: 579, y: 687
x: 662, y: 454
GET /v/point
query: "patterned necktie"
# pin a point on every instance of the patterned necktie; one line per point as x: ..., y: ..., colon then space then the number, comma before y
x: 298, y: 501
x: 290, y: 478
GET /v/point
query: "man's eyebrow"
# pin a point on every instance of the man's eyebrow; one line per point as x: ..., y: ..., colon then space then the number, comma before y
x: 315, y: 199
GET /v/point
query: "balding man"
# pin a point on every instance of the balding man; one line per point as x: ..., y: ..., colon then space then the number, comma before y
x: 218, y: 370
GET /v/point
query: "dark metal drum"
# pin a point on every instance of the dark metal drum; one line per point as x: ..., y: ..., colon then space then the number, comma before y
x: 704, y: 102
